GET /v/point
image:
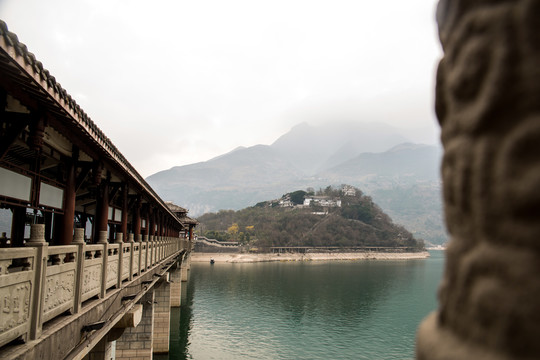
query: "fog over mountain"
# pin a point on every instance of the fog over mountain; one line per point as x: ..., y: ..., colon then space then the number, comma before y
x: 417, y: 161
x: 403, y: 177
x: 313, y: 149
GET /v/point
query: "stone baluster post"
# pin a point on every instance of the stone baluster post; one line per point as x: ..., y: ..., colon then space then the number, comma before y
x: 152, y: 250
x: 37, y: 240
x: 487, y: 102
x: 148, y: 253
x: 160, y: 247
x: 78, y: 239
x: 102, y: 239
x: 131, y: 260
x: 165, y: 252
x: 157, y: 240
x: 160, y: 252
x: 120, y: 242
x: 139, y: 240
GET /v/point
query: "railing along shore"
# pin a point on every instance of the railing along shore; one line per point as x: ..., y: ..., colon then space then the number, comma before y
x: 39, y: 282
x: 330, y: 249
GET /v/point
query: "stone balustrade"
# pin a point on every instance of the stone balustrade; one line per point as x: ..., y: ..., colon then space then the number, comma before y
x: 40, y: 282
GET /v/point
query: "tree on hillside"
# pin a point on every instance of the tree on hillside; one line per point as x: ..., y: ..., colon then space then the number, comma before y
x: 361, y: 212
x: 329, y: 191
x: 233, y: 230
x: 297, y: 197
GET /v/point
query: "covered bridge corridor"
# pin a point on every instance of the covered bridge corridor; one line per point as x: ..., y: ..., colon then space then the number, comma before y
x: 90, y: 246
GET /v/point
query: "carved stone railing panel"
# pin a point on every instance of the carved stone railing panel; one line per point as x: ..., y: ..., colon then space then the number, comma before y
x: 184, y: 244
x: 92, y: 272
x: 136, y: 257
x: 160, y: 250
x: 152, y: 253
x: 126, y: 260
x: 40, y: 282
x: 142, y: 265
x: 163, y: 248
x: 17, y: 275
x: 155, y: 250
x: 113, y: 263
x: 59, y: 290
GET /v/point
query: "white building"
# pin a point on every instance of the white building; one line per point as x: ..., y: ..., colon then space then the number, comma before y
x: 323, y: 201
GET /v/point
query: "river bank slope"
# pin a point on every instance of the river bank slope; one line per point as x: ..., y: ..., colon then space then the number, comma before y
x: 251, y: 258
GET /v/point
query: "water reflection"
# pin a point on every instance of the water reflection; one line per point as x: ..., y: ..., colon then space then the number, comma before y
x: 313, y: 310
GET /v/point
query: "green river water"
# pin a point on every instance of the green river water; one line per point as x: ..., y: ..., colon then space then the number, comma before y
x: 304, y: 310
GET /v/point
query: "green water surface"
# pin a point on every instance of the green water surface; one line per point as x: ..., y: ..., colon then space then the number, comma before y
x: 304, y: 310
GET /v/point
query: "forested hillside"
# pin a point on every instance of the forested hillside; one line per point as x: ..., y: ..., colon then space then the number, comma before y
x: 356, y: 221
x: 401, y: 176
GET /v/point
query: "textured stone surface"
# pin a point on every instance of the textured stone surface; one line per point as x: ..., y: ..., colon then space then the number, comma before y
x: 136, y: 343
x: 488, y: 105
x: 162, y: 317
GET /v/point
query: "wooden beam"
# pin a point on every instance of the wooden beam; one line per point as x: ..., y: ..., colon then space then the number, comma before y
x: 114, y: 188
x: 85, y: 170
x: 18, y: 122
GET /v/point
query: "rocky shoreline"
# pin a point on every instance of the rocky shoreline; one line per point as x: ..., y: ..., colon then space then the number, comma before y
x: 252, y: 258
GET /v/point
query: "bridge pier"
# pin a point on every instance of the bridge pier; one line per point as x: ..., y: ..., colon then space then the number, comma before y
x: 137, y: 342
x: 185, y: 267
x: 162, y: 315
x: 104, y: 350
x: 176, y: 287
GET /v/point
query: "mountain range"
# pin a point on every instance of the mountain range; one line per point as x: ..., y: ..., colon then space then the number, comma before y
x: 402, y: 177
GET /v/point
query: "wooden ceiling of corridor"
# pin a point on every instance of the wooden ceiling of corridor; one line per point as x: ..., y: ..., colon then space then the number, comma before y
x: 33, y: 93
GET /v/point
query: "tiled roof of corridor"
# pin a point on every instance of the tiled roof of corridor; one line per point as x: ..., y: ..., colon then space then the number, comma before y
x: 36, y: 80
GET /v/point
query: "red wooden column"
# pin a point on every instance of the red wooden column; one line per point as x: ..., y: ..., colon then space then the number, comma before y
x: 166, y: 227
x: 125, y: 209
x: 103, y: 209
x: 158, y: 220
x: 66, y: 234
x: 152, y: 224
x: 137, y: 219
x: 147, y: 217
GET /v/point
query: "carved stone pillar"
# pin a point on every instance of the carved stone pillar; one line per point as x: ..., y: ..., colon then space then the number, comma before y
x: 488, y: 105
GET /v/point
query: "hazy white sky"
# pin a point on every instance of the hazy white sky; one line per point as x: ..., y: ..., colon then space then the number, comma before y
x: 172, y: 82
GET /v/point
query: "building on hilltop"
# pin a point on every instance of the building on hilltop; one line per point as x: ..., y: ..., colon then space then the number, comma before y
x: 324, y: 201
x: 348, y: 190
x: 285, y: 201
